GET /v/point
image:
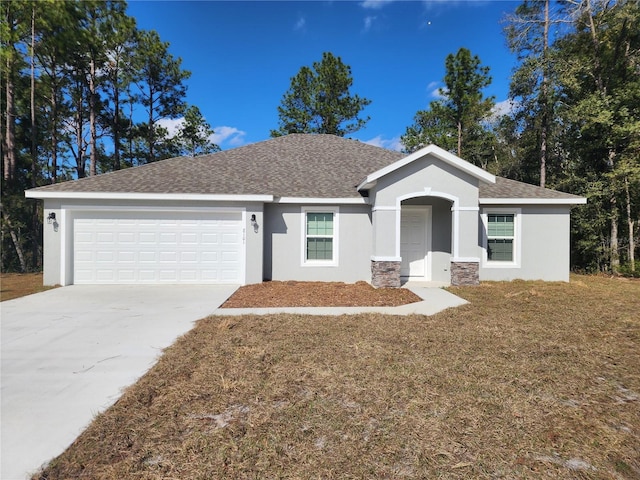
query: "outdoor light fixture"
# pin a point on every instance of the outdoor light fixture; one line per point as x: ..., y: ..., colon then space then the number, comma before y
x: 254, y: 223
x: 51, y: 218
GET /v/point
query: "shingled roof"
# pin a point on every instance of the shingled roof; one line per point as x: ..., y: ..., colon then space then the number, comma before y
x: 296, y: 165
x: 505, y: 188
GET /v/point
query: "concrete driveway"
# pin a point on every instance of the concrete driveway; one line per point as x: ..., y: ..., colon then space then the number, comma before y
x: 68, y: 353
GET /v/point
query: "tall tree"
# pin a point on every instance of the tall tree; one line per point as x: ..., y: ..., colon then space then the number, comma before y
x: 458, y: 121
x: 600, y: 89
x: 14, y: 30
x: 319, y: 101
x: 58, y: 22
x: 66, y: 71
x: 528, y: 35
x: 120, y: 46
x: 464, y: 80
x: 194, y: 136
x: 160, y: 79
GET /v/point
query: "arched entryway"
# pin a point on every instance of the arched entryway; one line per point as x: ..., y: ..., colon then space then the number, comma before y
x: 425, y: 239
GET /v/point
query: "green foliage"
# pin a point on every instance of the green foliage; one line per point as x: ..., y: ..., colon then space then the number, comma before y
x: 590, y: 116
x: 458, y: 121
x: 93, y: 74
x: 194, y: 136
x: 319, y: 101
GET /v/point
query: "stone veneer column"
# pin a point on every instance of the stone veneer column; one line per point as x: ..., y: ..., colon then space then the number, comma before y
x: 385, y: 274
x: 465, y: 273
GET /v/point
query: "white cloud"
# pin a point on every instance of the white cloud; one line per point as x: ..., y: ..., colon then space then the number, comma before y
x: 375, y: 4
x: 390, y: 144
x: 368, y: 22
x: 171, y: 125
x: 504, y: 107
x: 230, y: 135
x: 433, y: 89
x: 300, y: 24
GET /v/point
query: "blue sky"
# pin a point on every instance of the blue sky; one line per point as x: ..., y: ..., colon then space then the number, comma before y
x: 242, y: 55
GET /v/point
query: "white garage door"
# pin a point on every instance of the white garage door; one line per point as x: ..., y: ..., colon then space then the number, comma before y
x: 158, y: 247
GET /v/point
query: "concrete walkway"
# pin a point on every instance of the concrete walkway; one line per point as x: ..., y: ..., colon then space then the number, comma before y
x: 434, y: 300
x: 68, y: 353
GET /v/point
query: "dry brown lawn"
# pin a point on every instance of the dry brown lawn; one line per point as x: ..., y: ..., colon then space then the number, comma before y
x: 530, y: 380
x: 14, y: 285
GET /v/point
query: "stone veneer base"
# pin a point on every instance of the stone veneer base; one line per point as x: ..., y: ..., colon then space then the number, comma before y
x: 465, y: 273
x: 385, y: 274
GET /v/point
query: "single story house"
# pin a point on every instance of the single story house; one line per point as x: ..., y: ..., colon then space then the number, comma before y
x: 304, y: 207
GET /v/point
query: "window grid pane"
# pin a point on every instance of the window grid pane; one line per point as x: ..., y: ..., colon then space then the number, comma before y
x: 319, y: 249
x: 500, y: 250
x: 500, y: 225
x: 319, y: 223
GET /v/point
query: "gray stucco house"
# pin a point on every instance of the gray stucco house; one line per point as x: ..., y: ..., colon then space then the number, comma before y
x: 304, y: 207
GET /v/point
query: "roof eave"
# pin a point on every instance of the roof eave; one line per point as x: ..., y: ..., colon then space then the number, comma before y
x: 533, y: 201
x: 322, y: 201
x: 45, y: 194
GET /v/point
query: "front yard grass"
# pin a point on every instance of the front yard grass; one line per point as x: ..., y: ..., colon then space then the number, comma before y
x: 15, y: 285
x: 529, y: 380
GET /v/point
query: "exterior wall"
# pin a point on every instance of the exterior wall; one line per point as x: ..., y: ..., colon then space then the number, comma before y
x: 58, y: 264
x: 453, y: 195
x: 544, y: 236
x: 283, y: 243
x: 427, y: 177
x: 51, y: 243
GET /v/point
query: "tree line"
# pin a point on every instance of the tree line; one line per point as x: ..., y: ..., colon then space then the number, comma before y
x: 84, y: 92
x: 574, y: 121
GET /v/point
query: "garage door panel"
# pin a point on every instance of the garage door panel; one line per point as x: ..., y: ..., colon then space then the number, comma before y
x: 126, y: 256
x: 126, y: 237
x: 158, y: 247
x: 168, y: 237
x: 189, y: 238
x: 126, y: 275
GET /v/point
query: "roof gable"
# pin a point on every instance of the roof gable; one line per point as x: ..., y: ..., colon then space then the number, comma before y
x: 436, y: 152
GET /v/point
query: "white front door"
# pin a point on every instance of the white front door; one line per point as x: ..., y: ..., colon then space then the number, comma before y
x: 415, y: 241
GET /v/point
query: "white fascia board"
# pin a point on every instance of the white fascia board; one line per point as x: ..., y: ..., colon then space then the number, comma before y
x: 146, y: 196
x: 533, y: 201
x: 437, y: 152
x: 322, y: 201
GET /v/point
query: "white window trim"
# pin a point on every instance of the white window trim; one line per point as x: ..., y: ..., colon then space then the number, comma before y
x: 303, y: 230
x: 517, y: 240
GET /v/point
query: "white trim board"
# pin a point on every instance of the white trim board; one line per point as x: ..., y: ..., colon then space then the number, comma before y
x: 146, y: 196
x: 533, y: 201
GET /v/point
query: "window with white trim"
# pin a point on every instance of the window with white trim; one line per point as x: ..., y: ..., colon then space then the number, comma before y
x: 502, y: 239
x: 320, y: 236
x: 500, y: 236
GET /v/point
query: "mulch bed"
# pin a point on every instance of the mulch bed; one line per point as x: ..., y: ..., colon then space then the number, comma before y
x: 318, y: 294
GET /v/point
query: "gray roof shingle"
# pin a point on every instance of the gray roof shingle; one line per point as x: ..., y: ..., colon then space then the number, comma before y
x: 506, y: 188
x: 296, y: 165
